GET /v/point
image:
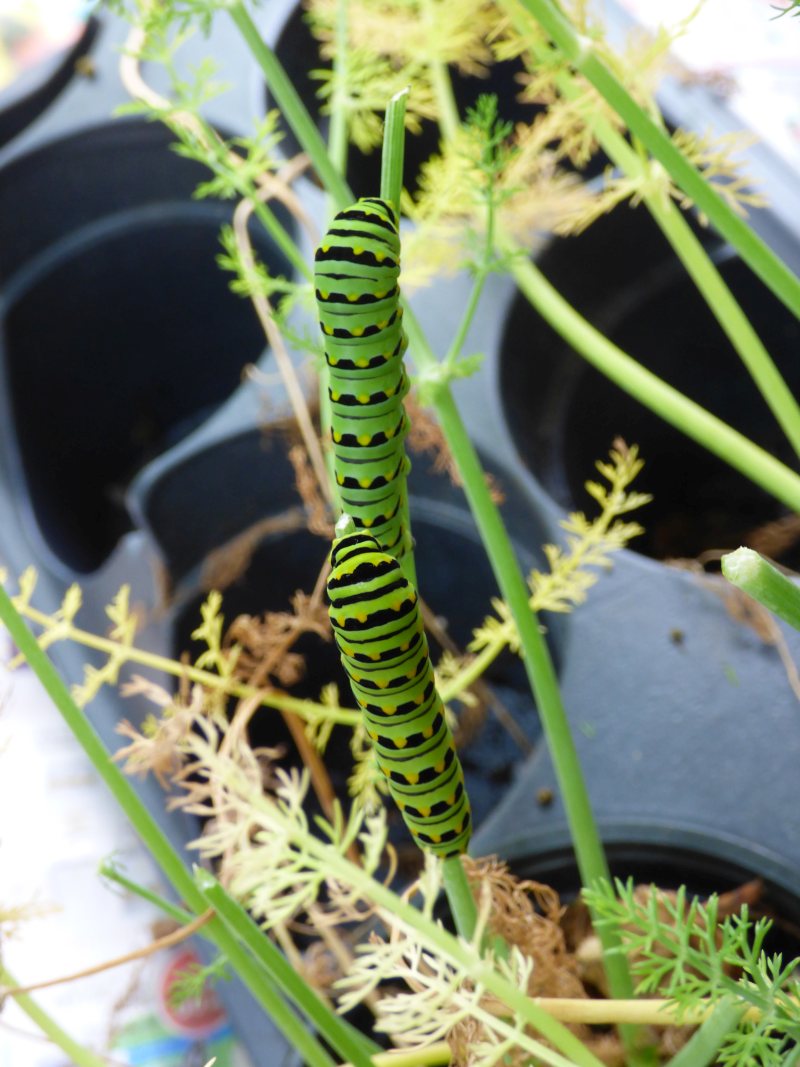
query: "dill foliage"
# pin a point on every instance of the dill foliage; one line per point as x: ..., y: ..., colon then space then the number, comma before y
x: 681, y: 948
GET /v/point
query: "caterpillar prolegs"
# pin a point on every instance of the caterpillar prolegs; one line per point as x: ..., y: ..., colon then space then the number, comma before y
x: 381, y: 639
x: 355, y: 276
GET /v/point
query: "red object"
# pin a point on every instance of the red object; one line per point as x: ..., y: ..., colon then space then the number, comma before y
x: 197, y: 1017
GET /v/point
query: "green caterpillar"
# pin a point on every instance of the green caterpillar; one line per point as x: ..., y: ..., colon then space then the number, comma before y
x: 355, y: 277
x: 379, y: 634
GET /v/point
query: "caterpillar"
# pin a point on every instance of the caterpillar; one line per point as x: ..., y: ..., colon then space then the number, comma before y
x: 379, y: 633
x: 355, y: 278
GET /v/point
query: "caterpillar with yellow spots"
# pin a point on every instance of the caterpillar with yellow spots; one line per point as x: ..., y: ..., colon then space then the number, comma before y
x: 355, y: 278
x: 379, y: 633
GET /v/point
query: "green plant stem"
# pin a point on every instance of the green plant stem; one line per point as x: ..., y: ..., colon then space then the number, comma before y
x: 291, y: 106
x: 306, y: 709
x: 751, y: 573
x: 392, y: 158
x: 668, y: 403
x: 459, y: 897
x: 154, y: 839
x: 264, y: 951
x: 338, y: 129
x: 449, y: 120
x: 702, y: 1048
x: 437, y: 1055
x: 279, y: 235
x: 692, y: 254
x: 346, y: 1040
x: 581, y: 54
x: 589, y: 850
x: 78, y: 1054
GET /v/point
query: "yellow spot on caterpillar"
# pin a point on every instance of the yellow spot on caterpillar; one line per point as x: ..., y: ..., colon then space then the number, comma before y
x: 358, y: 250
x: 390, y: 709
x: 361, y: 618
x: 380, y: 296
x: 436, y: 838
x: 383, y: 325
x: 380, y: 256
x: 373, y: 735
x: 428, y: 731
x: 382, y: 684
x: 366, y: 523
x: 357, y: 331
x: 340, y: 479
x: 410, y: 675
x: 439, y: 767
x: 363, y: 398
x: 388, y: 515
x: 418, y: 700
x: 400, y: 742
x: 405, y: 647
x: 364, y: 438
x: 364, y: 483
x: 390, y: 477
x: 337, y: 436
x: 352, y: 297
x: 335, y: 396
x: 347, y: 650
x: 355, y: 677
x: 362, y: 362
x: 401, y: 805
x: 425, y: 812
x: 374, y: 656
x: 389, y: 434
x: 397, y: 605
x: 328, y: 330
x: 412, y: 779
x: 326, y: 248
x: 323, y: 294
x: 451, y: 800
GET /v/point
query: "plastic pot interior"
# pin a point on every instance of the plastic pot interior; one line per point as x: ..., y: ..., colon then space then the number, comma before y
x: 454, y: 579
x: 120, y: 334
x: 40, y: 84
x: 673, y: 857
x: 298, y: 51
x: 563, y: 414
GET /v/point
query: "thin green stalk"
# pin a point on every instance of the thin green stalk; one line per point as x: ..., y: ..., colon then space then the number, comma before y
x: 263, y: 950
x: 702, y: 1048
x: 344, y: 1038
x: 78, y: 1054
x: 580, y: 52
x: 392, y: 159
x: 306, y: 709
x: 668, y: 403
x: 459, y: 897
x: 449, y: 120
x: 751, y: 573
x: 153, y: 837
x: 589, y: 850
x: 291, y: 106
x: 690, y: 251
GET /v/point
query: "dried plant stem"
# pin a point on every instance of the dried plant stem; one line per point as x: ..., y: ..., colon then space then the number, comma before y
x: 175, y: 938
x: 270, y: 698
x: 78, y: 1054
x: 266, y: 317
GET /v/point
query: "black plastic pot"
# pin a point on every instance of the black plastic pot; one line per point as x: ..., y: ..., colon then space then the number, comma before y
x: 120, y: 335
x: 563, y: 413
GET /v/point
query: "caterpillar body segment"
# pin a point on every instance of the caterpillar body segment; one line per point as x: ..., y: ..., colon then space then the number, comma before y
x: 379, y: 633
x: 356, y: 270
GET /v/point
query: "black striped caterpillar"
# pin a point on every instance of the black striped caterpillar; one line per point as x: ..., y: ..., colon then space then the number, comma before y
x: 381, y: 639
x: 355, y: 277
